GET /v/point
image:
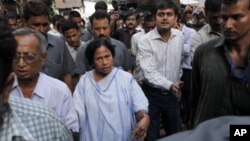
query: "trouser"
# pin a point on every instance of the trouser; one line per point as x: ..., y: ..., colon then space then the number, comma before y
x: 162, y: 105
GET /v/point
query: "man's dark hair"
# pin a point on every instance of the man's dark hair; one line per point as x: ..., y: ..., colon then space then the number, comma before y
x: 67, y: 25
x: 101, y: 5
x: 230, y: 2
x: 99, y: 16
x: 166, y: 4
x: 35, y: 8
x: 212, y: 5
x: 56, y: 19
x: 74, y: 14
x: 94, y: 45
x: 131, y: 14
x: 149, y: 17
x: 11, y: 15
x: 7, y: 52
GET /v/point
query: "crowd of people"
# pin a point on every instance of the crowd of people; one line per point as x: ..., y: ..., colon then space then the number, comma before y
x: 125, y: 76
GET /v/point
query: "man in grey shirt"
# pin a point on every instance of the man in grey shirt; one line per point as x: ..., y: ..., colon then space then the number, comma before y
x: 59, y: 63
x: 210, y: 31
x: 100, y: 27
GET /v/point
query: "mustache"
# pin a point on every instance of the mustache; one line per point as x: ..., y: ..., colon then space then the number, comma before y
x: 101, y: 36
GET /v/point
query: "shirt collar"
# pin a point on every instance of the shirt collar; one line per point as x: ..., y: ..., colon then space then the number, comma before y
x: 39, y: 88
x: 156, y: 34
x: 210, y: 31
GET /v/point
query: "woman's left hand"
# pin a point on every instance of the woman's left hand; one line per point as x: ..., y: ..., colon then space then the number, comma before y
x: 140, y: 131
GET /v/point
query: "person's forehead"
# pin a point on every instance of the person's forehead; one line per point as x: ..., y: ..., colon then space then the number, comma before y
x: 42, y: 19
x: 167, y: 9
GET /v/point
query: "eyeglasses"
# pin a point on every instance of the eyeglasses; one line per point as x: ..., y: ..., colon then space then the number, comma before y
x: 28, y: 58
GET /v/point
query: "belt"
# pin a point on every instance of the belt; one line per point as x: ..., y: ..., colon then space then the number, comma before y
x: 148, y: 87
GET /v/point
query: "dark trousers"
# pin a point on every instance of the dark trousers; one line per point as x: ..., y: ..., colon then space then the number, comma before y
x: 162, y: 106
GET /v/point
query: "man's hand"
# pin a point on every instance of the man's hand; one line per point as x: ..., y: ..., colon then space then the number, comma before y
x: 175, y: 88
x: 140, y: 131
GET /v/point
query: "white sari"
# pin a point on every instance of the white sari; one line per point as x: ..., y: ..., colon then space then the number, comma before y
x: 107, y: 108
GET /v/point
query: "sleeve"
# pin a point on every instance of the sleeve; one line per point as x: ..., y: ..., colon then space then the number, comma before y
x: 195, y: 42
x: 187, y: 44
x: 70, y: 114
x: 68, y: 62
x: 78, y: 101
x: 127, y: 59
x: 133, y: 45
x: 195, y: 86
x: 80, y: 61
x: 140, y: 102
x: 149, y: 66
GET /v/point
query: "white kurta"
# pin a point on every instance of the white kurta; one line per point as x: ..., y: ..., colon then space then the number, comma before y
x: 107, y: 108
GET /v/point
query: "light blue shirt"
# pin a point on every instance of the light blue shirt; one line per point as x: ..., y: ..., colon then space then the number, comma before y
x: 107, y: 108
x: 56, y: 95
x: 188, y: 34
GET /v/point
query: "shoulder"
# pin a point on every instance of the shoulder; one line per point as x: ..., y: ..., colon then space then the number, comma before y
x: 117, y: 43
x: 54, y: 84
x: 209, y: 47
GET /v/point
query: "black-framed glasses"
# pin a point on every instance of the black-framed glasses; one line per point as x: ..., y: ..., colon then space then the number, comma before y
x: 28, y: 58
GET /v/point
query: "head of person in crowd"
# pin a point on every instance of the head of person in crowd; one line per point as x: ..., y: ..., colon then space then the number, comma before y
x: 199, y: 17
x: 101, y: 6
x: 187, y: 16
x: 149, y: 22
x: 100, y: 25
x: 76, y: 17
x: 213, y: 16
x: 36, y: 16
x: 235, y: 21
x: 19, y: 21
x: 166, y: 15
x: 100, y: 54
x: 56, y: 21
x: 7, y: 52
x: 30, y: 54
x: 71, y: 33
x: 12, y: 20
x: 131, y: 20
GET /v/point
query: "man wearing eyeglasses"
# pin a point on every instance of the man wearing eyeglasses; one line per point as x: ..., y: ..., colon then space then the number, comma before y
x: 32, y: 84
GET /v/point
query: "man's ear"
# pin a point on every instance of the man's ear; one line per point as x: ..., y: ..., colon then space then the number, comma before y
x: 44, y: 58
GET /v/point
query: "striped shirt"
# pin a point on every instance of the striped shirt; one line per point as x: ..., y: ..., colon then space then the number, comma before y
x: 161, y: 61
x: 31, y: 121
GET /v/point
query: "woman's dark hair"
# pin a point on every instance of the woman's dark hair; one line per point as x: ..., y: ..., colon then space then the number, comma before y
x: 94, y: 45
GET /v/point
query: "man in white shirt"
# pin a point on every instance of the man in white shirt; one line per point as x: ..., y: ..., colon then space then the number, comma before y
x: 159, y: 55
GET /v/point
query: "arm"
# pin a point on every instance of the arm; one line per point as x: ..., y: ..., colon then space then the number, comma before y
x: 195, y: 87
x: 67, y: 78
x: 140, y: 131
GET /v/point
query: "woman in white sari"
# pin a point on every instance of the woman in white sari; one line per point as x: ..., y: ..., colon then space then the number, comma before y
x: 110, y: 104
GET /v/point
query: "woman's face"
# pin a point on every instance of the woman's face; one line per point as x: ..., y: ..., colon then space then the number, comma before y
x: 103, y: 61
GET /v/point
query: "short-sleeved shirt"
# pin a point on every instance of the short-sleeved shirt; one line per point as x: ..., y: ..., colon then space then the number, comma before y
x: 59, y: 62
x: 29, y: 121
x: 54, y: 94
x: 122, y: 57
